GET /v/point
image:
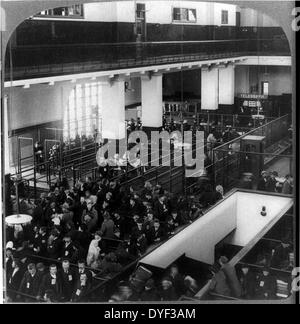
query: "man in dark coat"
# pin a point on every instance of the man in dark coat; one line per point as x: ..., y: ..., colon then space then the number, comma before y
x: 161, y: 210
x: 40, y: 242
x: 54, y: 245
x: 167, y: 293
x: 81, y: 269
x: 69, y: 250
x: 14, y: 280
x: 281, y: 255
x: 248, y: 283
x: 177, y: 280
x: 30, y: 283
x: 81, y: 289
x: 135, y: 208
x: 120, y: 223
x: 156, y: 233
x: 262, y: 183
x: 51, y: 282
x: 266, y: 285
x: 68, y: 280
x: 271, y: 183
x: 288, y: 186
x: 150, y: 293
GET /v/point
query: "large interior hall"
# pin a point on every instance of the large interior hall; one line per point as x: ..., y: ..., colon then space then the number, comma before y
x: 147, y: 152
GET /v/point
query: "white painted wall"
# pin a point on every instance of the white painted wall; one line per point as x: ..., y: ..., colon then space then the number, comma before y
x: 198, y: 240
x: 43, y: 103
x: 218, y: 7
x: 104, y: 11
x: 241, y: 79
x: 249, y: 220
x: 161, y: 11
x: 158, y: 11
x: 253, y: 18
x: 36, y: 105
x: 279, y: 78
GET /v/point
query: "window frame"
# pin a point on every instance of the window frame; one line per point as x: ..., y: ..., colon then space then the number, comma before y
x: 227, y: 17
x: 82, y: 114
x: 51, y: 15
x: 176, y: 21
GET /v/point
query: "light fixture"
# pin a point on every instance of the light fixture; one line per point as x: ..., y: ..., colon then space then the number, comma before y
x: 264, y: 211
x: 128, y: 86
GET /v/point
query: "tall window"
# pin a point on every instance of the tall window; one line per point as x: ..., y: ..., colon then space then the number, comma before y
x: 82, y: 116
x: 184, y: 15
x: 140, y: 10
x: 224, y: 17
x: 140, y: 21
x: 74, y: 11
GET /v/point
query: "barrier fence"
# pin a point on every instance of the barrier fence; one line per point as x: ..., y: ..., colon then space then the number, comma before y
x: 61, y: 59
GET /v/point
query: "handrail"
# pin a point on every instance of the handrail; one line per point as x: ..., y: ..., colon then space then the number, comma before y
x: 238, y: 40
x: 258, y: 267
x: 74, y: 265
x: 213, y: 294
x: 139, y: 54
x: 17, y: 292
x: 251, y: 132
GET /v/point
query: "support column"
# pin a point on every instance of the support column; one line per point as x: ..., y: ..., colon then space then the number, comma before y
x: 152, y: 104
x: 6, y: 150
x: 5, y: 157
x: 209, y: 89
x: 226, y: 85
x: 112, y: 110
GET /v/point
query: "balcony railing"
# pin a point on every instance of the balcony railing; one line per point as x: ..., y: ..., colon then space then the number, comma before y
x: 32, y: 61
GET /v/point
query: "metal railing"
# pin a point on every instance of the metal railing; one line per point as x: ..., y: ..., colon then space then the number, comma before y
x: 73, y: 58
x: 233, y: 159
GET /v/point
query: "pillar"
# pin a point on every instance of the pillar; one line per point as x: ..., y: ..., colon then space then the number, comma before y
x: 6, y: 152
x: 112, y: 110
x: 226, y: 85
x: 209, y: 89
x: 152, y: 104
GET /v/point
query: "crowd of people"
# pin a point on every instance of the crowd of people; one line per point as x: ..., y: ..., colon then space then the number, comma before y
x: 269, y: 182
x: 254, y: 282
x: 224, y: 281
x: 92, y: 230
x: 169, y: 286
x: 99, y: 226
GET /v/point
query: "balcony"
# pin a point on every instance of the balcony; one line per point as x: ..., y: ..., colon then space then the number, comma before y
x: 28, y: 62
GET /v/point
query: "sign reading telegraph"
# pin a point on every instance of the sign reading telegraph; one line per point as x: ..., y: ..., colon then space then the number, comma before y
x: 252, y: 96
